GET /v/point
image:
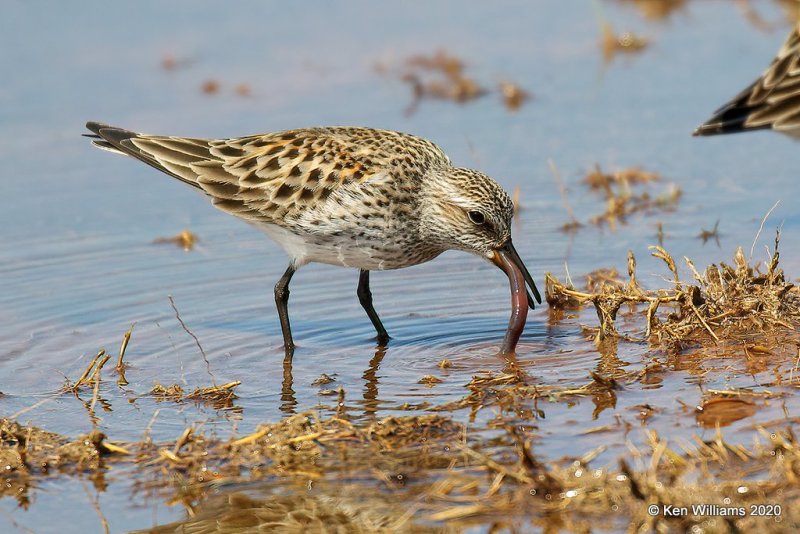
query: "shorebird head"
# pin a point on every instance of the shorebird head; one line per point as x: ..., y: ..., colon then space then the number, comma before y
x: 463, y: 209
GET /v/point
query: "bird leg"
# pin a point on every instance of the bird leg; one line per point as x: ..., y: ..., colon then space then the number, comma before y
x: 282, y: 301
x: 365, y: 298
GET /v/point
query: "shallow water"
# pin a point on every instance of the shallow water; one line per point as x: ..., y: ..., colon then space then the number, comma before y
x: 78, y: 266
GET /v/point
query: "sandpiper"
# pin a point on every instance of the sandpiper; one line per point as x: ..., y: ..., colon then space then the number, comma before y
x: 771, y: 102
x: 356, y: 197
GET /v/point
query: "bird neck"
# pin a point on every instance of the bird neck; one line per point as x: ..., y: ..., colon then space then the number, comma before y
x: 435, y: 212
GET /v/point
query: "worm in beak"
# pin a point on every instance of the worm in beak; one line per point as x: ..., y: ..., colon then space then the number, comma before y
x: 508, y: 260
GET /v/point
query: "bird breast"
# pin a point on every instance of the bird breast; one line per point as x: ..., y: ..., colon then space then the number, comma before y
x: 362, y: 227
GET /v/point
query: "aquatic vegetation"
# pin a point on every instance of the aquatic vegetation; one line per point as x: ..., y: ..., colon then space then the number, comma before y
x: 625, y: 192
x: 442, y: 76
x: 513, y: 95
x: 186, y: 240
x: 612, y: 43
x: 656, y: 10
x: 421, y: 473
x: 218, y: 397
x: 725, y: 302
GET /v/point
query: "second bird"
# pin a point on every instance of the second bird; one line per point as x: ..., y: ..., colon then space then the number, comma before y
x: 356, y: 197
x: 770, y: 102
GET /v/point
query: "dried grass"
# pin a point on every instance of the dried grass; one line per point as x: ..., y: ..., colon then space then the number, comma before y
x: 725, y: 302
x: 425, y: 473
x: 219, y: 397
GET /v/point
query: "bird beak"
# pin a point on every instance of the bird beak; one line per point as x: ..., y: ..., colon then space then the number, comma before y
x: 507, y: 255
x: 509, y: 261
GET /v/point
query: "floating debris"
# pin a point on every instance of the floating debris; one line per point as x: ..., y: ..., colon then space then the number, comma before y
x: 451, y: 66
x: 243, y: 90
x: 439, y: 76
x: 170, y: 63
x: 597, y: 180
x: 513, y: 95
x: 442, y: 76
x: 626, y: 192
x: 186, y: 240
x: 322, y: 380
x: 173, y: 392
x: 656, y: 9
x: 210, y: 87
x: 705, y: 235
x: 791, y: 9
x: 29, y: 454
x: 91, y: 374
x: 611, y: 43
x: 219, y: 397
x: 722, y: 411
x: 121, y: 366
x: 429, y: 380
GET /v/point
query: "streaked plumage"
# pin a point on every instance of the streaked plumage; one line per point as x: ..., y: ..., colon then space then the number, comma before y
x: 771, y: 102
x: 357, y: 197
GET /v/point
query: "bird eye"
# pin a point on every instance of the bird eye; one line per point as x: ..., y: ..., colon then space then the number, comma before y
x: 476, y: 217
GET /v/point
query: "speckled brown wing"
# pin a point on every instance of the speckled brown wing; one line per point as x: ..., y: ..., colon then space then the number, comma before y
x: 772, y: 101
x: 264, y: 178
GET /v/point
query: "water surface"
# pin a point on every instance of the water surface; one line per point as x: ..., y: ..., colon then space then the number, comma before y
x: 78, y: 266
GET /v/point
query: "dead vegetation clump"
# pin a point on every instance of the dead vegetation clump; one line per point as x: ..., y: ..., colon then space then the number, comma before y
x: 517, y: 393
x: 707, y: 235
x: 425, y: 473
x: 656, y: 9
x: 626, y: 192
x: 301, y: 441
x: 513, y: 95
x: 612, y: 43
x: 210, y: 87
x: 750, y: 12
x: 91, y: 375
x: 429, y: 380
x: 626, y: 42
x: 725, y: 302
x: 28, y: 454
x: 186, y: 240
x: 219, y: 397
x: 721, y: 410
x: 302, y: 447
x: 442, y: 76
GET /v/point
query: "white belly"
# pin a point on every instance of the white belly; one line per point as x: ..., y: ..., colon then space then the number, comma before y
x: 328, y: 249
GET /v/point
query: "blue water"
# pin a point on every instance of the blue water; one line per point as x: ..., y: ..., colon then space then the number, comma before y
x: 78, y: 266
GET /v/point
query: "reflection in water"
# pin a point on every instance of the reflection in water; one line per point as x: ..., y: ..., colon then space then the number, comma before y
x: 288, y: 400
x: 609, y: 363
x: 511, y: 366
x: 371, y: 384
x: 322, y: 510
